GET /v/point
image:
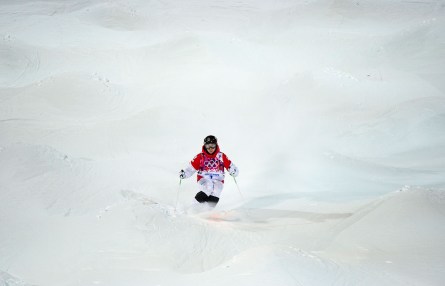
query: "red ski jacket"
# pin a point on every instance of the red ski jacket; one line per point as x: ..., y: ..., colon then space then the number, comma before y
x: 211, y: 165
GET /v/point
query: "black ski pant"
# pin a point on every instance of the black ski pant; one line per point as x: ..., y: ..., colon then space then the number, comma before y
x: 202, y: 197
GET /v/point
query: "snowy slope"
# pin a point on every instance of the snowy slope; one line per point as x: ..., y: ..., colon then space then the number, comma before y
x: 334, y: 112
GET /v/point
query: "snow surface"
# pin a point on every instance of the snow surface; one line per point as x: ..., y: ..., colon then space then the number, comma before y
x: 334, y: 111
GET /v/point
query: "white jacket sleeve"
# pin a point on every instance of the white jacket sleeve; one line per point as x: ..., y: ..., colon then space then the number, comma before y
x: 189, y: 171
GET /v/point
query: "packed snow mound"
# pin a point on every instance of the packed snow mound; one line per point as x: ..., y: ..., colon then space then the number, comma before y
x: 69, y: 96
x: 376, y: 239
x: 21, y: 61
x: 31, y: 167
x: 9, y: 280
x: 414, y: 214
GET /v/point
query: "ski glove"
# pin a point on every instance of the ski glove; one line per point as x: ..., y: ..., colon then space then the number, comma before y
x: 233, y: 170
x: 182, y: 174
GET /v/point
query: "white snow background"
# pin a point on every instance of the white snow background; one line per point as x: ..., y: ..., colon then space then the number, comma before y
x: 334, y: 112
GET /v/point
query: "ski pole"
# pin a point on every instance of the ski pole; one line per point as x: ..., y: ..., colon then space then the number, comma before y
x: 177, y: 195
x: 242, y: 197
x: 236, y: 183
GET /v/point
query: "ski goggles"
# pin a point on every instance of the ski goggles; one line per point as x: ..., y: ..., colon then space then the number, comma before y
x: 210, y: 146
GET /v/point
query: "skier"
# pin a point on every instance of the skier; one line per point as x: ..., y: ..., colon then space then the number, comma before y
x: 210, y: 164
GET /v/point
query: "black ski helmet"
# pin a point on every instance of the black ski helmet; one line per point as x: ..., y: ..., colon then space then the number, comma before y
x: 210, y: 140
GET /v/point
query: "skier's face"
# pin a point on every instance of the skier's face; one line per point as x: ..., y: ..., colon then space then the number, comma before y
x: 210, y: 148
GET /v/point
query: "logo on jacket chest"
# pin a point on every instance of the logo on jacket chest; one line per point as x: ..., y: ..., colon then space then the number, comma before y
x: 213, y: 164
